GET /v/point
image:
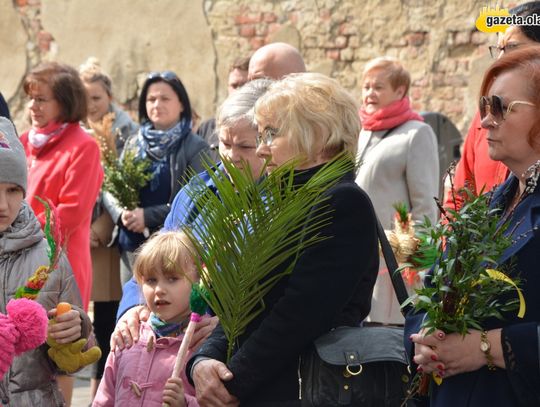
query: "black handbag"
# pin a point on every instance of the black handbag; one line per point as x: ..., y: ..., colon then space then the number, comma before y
x: 358, y: 366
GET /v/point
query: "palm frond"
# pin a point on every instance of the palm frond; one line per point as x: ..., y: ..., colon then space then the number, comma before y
x: 250, y: 228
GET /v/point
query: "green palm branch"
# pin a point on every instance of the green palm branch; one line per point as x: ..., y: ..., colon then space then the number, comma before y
x: 125, y: 177
x: 251, y: 227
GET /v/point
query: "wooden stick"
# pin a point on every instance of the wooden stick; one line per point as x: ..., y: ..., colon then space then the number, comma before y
x: 181, y: 356
x: 182, y: 352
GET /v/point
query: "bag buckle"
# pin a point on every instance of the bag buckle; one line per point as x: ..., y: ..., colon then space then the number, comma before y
x: 353, y: 367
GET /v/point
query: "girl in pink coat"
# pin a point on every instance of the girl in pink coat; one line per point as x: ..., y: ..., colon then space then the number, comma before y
x: 141, y: 375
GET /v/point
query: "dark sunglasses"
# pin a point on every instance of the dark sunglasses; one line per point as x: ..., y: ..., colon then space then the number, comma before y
x: 495, y: 106
x: 167, y: 75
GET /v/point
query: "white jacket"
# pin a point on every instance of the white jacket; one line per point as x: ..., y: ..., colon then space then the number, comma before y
x: 401, y: 167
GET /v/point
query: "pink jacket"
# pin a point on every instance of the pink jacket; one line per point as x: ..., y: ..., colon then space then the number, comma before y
x: 475, y: 169
x: 68, y: 171
x: 137, y: 376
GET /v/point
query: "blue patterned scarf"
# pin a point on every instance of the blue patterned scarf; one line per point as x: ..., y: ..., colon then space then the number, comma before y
x: 157, y: 144
x: 162, y: 328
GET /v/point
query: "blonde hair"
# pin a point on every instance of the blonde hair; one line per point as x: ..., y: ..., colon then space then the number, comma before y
x: 397, y: 74
x: 169, y: 253
x: 91, y: 72
x: 312, y: 110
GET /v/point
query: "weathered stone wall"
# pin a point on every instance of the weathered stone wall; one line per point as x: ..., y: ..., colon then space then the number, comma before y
x: 436, y: 40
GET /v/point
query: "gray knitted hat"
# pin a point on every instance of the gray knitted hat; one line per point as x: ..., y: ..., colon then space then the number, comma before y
x: 12, y: 157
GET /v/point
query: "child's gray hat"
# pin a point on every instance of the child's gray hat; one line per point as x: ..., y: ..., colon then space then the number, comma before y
x: 12, y: 158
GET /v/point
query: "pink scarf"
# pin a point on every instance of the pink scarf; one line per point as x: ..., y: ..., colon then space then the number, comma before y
x: 388, y: 117
x: 39, y: 136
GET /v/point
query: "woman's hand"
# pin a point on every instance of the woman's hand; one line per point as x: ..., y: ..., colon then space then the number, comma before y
x: 67, y: 327
x: 126, y: 331
x: 134, y: 220
x: 202, y: 331
x: 173, y: 393
x: 208, y: 376
x: 452, y: 354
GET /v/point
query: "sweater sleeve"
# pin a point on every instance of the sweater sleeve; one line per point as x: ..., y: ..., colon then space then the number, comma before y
x: 176, y: 215
x: 326, y: 277
x: 131, y: 297
x: 113, y: 207
x: 520, y: 343
x: 105, y: 395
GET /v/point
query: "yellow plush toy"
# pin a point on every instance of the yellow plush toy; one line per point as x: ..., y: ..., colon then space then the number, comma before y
x: 69, y: 357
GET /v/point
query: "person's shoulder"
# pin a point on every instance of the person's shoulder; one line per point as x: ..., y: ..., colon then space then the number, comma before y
x: 196, y: 140
x: 348, y: 189
x: 417, y: 125
x: 77, y: 135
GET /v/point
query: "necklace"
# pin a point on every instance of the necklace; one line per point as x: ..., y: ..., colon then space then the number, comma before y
x: 530, y: 177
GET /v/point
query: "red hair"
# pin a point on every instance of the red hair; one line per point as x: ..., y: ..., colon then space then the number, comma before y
x: 527, y: 61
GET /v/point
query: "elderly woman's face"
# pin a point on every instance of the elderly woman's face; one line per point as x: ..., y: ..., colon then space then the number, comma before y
x: 238, y: 144
x: 163, y: 106
x: 43, y: 107
x: 276, y: 150
x: 508, y: 130
x: 377, y: 92
x: 98, y: 100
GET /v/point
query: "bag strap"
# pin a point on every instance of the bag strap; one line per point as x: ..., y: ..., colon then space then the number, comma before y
x: 391, y: 263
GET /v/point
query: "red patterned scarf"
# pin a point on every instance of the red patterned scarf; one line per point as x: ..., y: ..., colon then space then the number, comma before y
x: 388, y: 117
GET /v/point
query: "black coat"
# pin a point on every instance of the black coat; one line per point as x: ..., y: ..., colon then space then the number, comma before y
x: 331, y: 285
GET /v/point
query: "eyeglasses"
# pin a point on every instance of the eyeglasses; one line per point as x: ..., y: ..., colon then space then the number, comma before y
x: 266, y: 136
x: 495, y: 50
x: 495, y: 106
x: 38, y: 101
x: 167, y: 75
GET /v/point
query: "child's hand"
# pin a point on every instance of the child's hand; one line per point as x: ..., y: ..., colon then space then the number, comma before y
x: 173, y: 393
x: 67, y: 328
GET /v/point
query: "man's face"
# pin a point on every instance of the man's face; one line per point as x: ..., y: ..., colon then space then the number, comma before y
x: 237, y: 78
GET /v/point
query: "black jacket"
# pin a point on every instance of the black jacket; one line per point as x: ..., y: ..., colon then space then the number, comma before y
x: 331, y: 285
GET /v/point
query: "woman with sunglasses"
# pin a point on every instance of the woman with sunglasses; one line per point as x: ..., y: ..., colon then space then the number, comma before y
x: 499, y: 364
x: 475, y: 169
x: 165, y: 139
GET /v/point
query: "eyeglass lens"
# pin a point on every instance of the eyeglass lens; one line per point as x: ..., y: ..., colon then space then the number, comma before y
x: 495, y: 106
